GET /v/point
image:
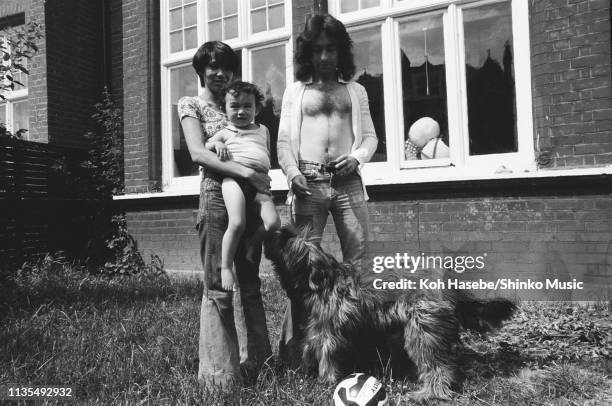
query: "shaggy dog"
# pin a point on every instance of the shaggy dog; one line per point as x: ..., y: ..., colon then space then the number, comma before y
x: 343, y: 326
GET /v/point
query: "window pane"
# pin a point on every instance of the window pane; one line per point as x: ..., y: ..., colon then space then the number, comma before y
x: 257, y: 3
x: 490, y: 79
x: 176, y: 19
x: 214, y: 9
x: 277, y: 17
x: 175, y: 3
x: 20, y: 76
x: 269, y: 75
x: 21, y: 116
x: 191, y: 15
x: 176, y: 41
x: 231, y: 28
x: 349, y: 5
x: 423, y: 79
x: 230, y: 7
x: 271, y: 2
x: 258, y: 20
x: 369, y: 3
x: 368, y: 60
x: 183, y: 82
x: 214, y: 30
x: 191, y: 38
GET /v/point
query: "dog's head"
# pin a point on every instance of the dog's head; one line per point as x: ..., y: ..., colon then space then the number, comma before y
x: 300, y: 263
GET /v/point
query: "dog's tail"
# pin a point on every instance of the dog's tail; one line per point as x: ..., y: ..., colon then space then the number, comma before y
x: 482, y: 315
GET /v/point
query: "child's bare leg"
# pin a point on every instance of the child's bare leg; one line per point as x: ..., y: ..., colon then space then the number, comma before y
x: 270, y: 223
x: 236, y: 219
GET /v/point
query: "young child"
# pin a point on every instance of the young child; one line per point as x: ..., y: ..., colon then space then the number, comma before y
x: 248, y: 144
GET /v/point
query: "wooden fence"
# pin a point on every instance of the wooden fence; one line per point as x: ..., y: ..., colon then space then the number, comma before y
x: 44, y: 204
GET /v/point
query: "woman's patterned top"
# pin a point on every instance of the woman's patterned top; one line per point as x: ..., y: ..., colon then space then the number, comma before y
x: 211, y: 120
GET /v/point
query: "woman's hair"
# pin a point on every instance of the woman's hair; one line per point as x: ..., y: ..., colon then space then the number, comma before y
x: 221, y: 53
x: 237, y: 88
x: 334, y: 30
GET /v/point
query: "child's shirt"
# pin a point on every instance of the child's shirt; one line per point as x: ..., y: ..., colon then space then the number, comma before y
x: 250, y: 148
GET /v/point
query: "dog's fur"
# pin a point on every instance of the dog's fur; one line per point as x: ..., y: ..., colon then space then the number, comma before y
x: 343, y: 324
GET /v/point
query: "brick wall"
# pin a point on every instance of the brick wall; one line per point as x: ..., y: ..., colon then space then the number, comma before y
x: 524, y: 231
x: 115, y: 14
x: 138, y: 93
x: 527, y: 228
x: 37, y: 85
x: 570, y: 46
x: 66, y: 75
x: 75, y: 68
x: 302, y: 9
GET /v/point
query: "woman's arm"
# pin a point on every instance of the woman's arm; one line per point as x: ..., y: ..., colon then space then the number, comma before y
x: 202, y: 156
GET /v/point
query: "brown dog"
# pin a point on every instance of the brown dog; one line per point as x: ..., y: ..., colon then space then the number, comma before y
x: 343, y: 326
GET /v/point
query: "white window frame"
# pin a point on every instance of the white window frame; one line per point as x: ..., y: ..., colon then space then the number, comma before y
x: 460, y: 165
x: 244, y: 44
x: 11, y: 97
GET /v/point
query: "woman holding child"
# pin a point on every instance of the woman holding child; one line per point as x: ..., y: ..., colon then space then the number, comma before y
x: 246, y: 189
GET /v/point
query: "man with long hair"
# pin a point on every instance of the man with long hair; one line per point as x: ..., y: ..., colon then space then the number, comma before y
x: 325, y: 134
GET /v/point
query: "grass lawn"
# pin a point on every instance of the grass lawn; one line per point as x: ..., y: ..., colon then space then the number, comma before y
x: 134, y: 342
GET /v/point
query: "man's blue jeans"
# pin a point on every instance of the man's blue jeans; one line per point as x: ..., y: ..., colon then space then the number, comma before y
x: 225, y: 345
x: 343, y: 197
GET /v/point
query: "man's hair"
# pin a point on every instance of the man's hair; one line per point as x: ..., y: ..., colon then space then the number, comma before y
x: 218, y: 51
x: 335, y: 31
x: 238, y: 87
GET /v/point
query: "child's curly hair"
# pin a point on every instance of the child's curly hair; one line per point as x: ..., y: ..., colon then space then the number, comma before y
x: 238, y: 87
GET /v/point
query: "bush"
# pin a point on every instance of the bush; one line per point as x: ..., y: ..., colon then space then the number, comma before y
x: 115, y: 250
x: 126, y: 259
x: 105, y: 160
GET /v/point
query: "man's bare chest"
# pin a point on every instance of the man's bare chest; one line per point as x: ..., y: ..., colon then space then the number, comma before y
x: 326, y: 100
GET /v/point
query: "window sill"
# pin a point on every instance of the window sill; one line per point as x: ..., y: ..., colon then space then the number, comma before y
x: 410, y: 177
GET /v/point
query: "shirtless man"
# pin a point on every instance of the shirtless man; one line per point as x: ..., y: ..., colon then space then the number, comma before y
x: 325, y: 134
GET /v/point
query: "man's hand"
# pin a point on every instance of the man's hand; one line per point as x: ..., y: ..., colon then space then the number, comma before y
x: 300, y: 186
x: 222, y: 151
x: 259, y: 180
x: 345, y: 164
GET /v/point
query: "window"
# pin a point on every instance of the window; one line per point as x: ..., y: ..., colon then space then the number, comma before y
x: 14, y: 106
x: 259, y: 32
x: 462, y: 64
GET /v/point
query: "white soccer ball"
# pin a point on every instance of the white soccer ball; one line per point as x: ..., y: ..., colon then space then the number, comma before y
x: 360, y: 390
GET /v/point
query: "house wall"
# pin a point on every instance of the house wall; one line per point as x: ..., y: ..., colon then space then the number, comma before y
x: 559, y: 227
x: 141, y: 137
x: 570, y: 48
x: 67, y: 73
x: 37, y: 84
x: 75, y: 68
